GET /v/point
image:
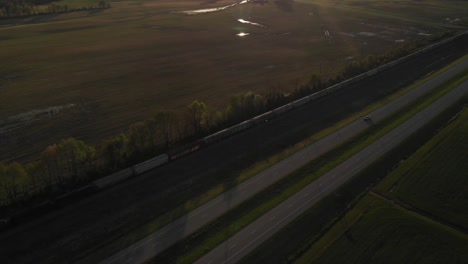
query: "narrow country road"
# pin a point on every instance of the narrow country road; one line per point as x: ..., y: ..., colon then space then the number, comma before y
x: 152, y: 245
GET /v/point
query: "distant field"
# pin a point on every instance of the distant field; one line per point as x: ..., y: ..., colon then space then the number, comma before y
x: 90, y: 74
x: 435, y: 178
x: 381, y: 232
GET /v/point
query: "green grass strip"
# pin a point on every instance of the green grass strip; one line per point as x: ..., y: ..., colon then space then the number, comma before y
x: 388, y: 182
x: 338, y: 230
x: 372, y: 206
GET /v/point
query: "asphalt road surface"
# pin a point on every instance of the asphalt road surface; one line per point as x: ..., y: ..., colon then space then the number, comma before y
x: 267, y: 225
x: 154, y: 244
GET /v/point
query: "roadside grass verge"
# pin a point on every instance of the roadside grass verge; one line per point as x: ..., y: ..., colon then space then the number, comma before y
x: 218, y: 231
x: 340, y: 227
x: 434, y: 178
x: 378, y: 231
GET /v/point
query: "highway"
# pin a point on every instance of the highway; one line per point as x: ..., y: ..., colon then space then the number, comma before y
x: 246, y: 240
x: 237, y: 246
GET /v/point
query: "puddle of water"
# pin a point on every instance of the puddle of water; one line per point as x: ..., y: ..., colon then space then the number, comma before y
x: 399, y: 40
x: 250, y: 22
x: 243, y: 34
x: 210, y: 10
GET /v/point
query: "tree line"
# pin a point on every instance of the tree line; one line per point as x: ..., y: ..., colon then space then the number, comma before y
x: 71, y: 162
